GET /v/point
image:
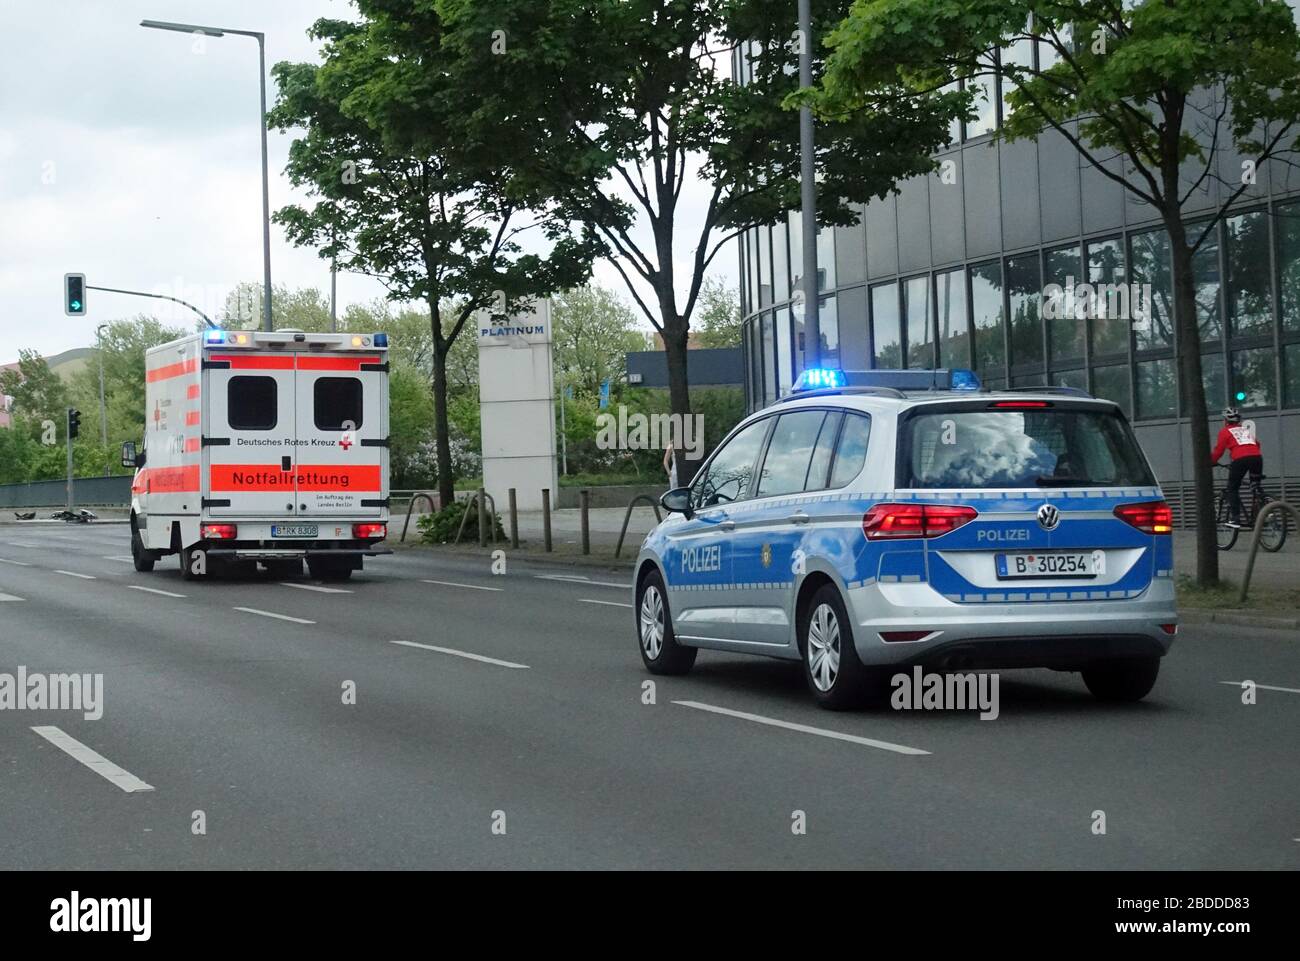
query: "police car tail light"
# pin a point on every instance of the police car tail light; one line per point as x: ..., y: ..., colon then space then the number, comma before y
x: 1154, y: 517
x: 218, y: 532
x: 369, y: 532
x: 885, y: 521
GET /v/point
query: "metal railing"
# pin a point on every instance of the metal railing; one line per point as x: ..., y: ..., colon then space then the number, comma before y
x: 628, y: 516
x: 1254, y: 540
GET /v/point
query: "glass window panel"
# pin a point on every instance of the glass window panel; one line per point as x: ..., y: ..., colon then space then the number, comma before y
x: 1153, y: 310
x: 1156, y: 388
x: 886, y: 335
x: 1252, y: 375
x: 784, y: 350
x: 851, y: 452
x: 1291, y: 375
x: 985, y: 106
x: 825, y: 258
x: 764, y: 266
x: 821, y: 458
x: 1066, y: 325
x: 830, y: 325
x: 794, y: 224
x: 1019, y: 53
x: 1214, y: 376
x: 769, y: 359
x: 916, y: 308
x: 780, y: 266
x: 1024, y: 292
x: 1111, y: 383
x: 1047, y: 52
x: 789, y: 454
x: 950, y: 313
x: 1071, y: 378
x: 954, y: 126
x: 986, y: 312
x: 1205, y: 270
x: 1250, y: 288
x: 1288, y: 241
x: 751, y: 261
x: 728, y: 475
x: 1108, y: 305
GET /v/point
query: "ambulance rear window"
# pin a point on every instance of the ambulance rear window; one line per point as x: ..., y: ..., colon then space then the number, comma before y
x: 338, y: 403
x: 251, y: 403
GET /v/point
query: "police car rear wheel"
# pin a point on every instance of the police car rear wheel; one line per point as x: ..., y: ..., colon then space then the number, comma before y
x: 1122, y: 681
x: 835, y: 676
x: 659, y: 648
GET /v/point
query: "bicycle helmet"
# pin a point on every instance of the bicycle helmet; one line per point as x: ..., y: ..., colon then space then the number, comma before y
x: 1231, y: 415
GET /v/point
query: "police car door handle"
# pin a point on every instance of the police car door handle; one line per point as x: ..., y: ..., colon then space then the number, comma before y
x: 799, y: 517
x: 727, y: 526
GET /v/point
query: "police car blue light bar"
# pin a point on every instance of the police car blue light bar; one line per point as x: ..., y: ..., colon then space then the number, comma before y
x: 815, y: 378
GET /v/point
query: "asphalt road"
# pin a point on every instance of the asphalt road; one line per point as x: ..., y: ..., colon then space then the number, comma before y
x: 522, y: 712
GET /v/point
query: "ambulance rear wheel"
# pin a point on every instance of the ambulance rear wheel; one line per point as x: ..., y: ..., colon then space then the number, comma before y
x: 143, y: 559
x: 328, y: 569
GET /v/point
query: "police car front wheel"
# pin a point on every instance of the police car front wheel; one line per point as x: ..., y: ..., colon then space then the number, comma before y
x: 654, y: 624
x: 835, y: 676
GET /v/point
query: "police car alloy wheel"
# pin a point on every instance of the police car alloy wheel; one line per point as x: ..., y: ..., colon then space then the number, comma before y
x: 654, y: 625
x: 1118, y: 681
x: 835, y: 676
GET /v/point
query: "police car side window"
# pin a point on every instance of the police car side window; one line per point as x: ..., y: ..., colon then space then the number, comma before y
x: 851, y: 451
x: 785, y: 465
x: 729, y: 474
x: 821, y: 458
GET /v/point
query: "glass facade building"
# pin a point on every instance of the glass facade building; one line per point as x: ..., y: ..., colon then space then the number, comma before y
x: 1023, y: 262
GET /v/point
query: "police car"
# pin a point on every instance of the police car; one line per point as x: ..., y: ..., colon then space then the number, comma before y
x: 877, y: 520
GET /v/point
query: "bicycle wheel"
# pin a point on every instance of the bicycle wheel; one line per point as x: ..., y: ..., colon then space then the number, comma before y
x: 1273, y: 536
x: 1225, y: 536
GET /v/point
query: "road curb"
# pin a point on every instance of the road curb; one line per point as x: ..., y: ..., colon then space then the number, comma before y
x: 1240, y: 619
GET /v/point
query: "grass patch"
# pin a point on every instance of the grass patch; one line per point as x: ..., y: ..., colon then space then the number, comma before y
x: 1223, y: 596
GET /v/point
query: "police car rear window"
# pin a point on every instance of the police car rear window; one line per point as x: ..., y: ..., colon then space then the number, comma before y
x: 1036, y: 449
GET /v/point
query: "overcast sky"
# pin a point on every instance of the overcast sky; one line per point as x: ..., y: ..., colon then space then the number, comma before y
x: 132, y: 155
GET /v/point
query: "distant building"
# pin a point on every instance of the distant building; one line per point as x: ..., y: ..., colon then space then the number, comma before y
x: 705, y: 367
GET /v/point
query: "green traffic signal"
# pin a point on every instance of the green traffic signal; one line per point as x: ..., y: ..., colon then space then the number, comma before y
x: 1241, y: 396
x: 74, y: 295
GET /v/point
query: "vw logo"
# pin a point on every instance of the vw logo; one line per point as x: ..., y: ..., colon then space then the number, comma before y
x: 1048, y: 517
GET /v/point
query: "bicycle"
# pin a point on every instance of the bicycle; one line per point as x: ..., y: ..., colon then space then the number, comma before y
x: 1271, y: 538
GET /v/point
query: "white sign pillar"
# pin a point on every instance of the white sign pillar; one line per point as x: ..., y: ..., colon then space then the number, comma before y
x: 517, y: 407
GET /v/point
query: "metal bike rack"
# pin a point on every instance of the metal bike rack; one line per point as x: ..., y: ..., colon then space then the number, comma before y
x: 417, y: 495
x: 628, y: 516
x: 1254, y: 541
x: 491, y: 519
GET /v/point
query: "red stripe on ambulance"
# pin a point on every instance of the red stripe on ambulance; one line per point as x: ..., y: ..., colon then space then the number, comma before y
x: 169, y: 371
x: 334, y: 363
x: 254, y: 362
x: 167, y: 480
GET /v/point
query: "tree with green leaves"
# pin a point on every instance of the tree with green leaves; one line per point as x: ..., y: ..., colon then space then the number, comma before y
x: 1154, y: 95
x: 403, y: 194
x: 38, y: 393
x: 615, y: 107
x: 593, y: 332
x: 719, y: 315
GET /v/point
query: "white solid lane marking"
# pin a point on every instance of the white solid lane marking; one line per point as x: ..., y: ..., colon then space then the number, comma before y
x: 804, y: 728
x: 127, y: 781
x: 153, y: 590
x: 579, y: 579
x: 5, y: 560
x: 315, y: 587
x: 124, y: 558
x: 278, y: 617
x: 8, y: 597
x: 1265, y: 687
x: 472, y: 587
x: 84, y: 577
x: 456, y: 653
x: 591, y: 600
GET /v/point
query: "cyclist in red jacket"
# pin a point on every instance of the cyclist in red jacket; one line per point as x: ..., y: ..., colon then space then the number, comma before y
x: 1239, y: 440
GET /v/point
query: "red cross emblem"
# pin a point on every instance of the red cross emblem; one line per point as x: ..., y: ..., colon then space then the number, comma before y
x: 345, y: 442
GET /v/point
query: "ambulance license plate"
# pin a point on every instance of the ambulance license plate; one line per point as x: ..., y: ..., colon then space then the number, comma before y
x: 1054, y: 564
x: 295, y: 530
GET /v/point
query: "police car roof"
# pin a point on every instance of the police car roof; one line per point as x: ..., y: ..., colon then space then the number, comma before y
x: 865, y: 398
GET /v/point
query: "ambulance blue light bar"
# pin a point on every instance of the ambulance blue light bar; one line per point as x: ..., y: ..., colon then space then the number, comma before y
x: 215, y: 337
x: 956, y: 378
x: 381, y: 340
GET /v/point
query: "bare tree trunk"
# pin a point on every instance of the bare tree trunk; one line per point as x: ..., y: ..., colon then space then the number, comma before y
x: 676, y: 334
x: 442, y: 428
x: 1193, y: 392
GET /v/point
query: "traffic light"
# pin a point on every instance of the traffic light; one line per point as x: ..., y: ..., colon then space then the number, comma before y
x: 74, y: 423
x: 74, y: 295
x: 1240, y: 396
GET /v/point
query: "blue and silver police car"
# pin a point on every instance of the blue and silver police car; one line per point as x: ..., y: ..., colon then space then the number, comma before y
x: 877, y: 520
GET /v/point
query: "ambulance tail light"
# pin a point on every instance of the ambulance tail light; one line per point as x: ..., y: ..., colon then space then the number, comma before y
x: 894, y: 521
x: 1153, y: 517
x: 369, y: 532
x: 218, y: 532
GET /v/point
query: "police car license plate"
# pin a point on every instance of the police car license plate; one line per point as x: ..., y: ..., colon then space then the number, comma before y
x: 1054, y: 564
x: 295, y: 530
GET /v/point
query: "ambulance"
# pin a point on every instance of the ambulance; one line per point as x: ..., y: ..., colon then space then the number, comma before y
x: 265, y: 448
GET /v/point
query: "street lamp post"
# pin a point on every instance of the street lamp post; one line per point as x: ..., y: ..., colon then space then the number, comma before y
x: 808, y: 195
x: 266, y: 175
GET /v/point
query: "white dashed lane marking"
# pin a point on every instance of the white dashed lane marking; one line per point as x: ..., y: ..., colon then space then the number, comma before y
x: 278, y: 617
x: 579, y: 579
x: 127, y: 781
x: 592, y: 600
x: 153, y: 590
x: 8, y: 597
x: 5, y: 560
x: 471, y: 587
x: 315, y: 587
x: 84, y: 577
x: 466, y: 654
x: 1265, y: 687
x: 804, y: 728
